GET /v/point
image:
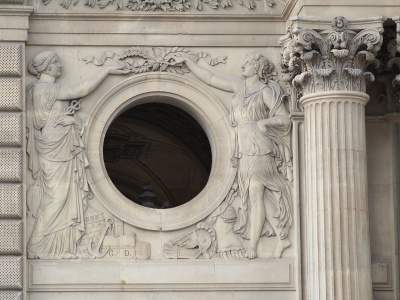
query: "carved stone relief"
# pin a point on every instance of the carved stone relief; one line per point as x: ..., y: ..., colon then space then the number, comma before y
x: 166, y: 5
x: 382, y: 91
x: 258, y: 203
x: 385, y: 91
x: 58, y: 198
x: 261, y: 154
x: 201, y: 241
x: 214, y: 238
x: 223, y: 219
x: 328, y: 60
x: 106, y: 239
x: 140, y: 60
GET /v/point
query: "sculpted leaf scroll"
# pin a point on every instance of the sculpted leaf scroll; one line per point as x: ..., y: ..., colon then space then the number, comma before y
x: 329, y: 60
x: 308, y: 38
x: 385, y: 92
x: 371, y: 38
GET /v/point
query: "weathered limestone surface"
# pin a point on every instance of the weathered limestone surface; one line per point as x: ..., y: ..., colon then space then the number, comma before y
x: 338, y: 262
x: 330, y: 71
x: 251, y: 233
x: 13, y: 34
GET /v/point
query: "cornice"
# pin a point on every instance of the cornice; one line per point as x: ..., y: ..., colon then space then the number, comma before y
x: 317, y: 23
x: 296, y: 115
x: 156, y: 17
x: 15, y: 10
x: 167, y: 16
x: 288, y: 9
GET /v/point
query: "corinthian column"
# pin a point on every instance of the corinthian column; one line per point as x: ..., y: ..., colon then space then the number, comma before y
x: 328, y: 68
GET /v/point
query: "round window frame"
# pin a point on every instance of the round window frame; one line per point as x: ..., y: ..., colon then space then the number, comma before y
x: 187, y: 95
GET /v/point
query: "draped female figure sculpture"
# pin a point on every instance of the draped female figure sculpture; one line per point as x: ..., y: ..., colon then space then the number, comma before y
x: 56, y: 158
x: 262, y: 152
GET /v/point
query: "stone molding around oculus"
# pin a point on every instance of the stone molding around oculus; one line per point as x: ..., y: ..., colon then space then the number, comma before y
x: 203, y: 240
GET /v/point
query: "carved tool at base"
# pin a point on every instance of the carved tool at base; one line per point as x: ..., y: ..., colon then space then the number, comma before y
x: 96, y: 252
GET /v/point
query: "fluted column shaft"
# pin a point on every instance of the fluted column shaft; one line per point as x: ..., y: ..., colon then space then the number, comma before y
x: 338, y: 264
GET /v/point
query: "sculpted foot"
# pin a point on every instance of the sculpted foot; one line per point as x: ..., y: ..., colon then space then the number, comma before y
x: 282, y: 245
x: 251, y: 253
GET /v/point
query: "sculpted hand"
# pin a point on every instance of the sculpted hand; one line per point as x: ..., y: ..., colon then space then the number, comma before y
x: 178, y: 60
x: 117, y: 70
x: 66, y: 121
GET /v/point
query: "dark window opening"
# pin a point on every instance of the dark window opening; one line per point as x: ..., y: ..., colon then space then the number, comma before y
x: 157, y: 155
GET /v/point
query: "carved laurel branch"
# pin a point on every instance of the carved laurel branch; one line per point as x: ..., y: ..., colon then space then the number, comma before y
x: 140, y: 60
x: 330, y: 60
x: 165, y: 5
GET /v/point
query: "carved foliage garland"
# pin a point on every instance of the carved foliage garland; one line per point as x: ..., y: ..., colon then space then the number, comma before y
x: 165, y: 5
x: 329, y: 60
x: 139, y: 60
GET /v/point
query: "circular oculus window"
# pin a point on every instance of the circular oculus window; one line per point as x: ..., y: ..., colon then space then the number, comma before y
x: 157, y: 155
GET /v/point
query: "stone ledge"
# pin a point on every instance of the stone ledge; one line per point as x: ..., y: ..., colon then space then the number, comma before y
x: 14, y: 22
x: 160, y: 275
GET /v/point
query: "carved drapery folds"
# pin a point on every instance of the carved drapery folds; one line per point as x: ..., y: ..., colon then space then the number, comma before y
x: 328, y: 60
x: 258, y: 203
x: 58, y: 198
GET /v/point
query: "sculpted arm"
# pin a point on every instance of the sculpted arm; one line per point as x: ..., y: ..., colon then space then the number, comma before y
x: 281, y: 117
x: 68, y: 92
x: 227, y: 84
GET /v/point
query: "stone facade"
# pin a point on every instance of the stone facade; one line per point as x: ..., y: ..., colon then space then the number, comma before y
x: 299, y: 101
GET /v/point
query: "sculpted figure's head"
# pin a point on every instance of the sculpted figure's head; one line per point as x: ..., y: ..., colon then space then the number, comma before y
x: 256, y: 63
x: 45, y: 62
